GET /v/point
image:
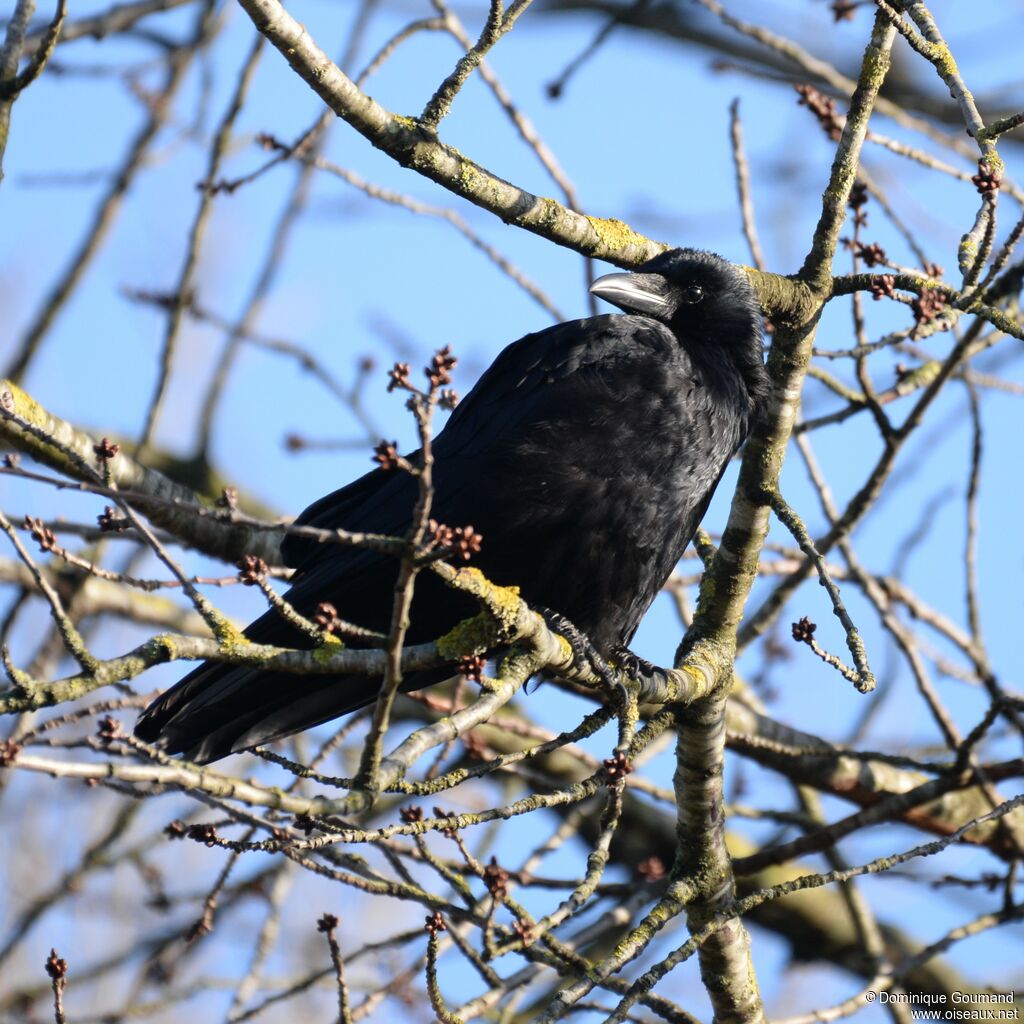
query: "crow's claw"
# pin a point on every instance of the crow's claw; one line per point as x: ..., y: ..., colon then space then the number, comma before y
x: 583, y: 650
x: 631, y: 664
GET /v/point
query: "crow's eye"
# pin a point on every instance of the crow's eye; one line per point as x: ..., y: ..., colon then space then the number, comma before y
x: 693, y: 293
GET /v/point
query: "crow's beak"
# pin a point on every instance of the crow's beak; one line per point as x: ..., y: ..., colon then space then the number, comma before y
x: 634, y: 293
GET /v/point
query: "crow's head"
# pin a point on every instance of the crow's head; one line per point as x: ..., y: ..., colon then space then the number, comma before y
x: 706, y: 301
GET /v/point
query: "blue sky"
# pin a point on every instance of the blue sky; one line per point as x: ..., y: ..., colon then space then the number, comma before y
x: 642, y: 130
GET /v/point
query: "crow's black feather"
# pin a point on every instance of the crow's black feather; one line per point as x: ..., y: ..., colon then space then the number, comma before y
x: 586, y: 456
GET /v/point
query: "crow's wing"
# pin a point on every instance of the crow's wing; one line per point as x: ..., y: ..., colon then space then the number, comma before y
x: 539, y: 386
x: 541, y: 381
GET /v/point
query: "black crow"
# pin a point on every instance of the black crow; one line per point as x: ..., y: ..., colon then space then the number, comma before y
x: 585, y: 456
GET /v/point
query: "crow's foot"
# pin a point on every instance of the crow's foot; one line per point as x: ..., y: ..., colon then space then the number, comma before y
x: 631, y: 664
x: 583, y: 650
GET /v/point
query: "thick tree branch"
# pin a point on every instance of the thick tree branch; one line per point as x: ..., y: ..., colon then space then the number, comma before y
x: 28, y: 427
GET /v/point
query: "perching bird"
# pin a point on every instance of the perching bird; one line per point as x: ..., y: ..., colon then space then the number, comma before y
x: 585, y: 457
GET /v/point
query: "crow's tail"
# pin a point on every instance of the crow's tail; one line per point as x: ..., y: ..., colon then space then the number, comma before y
x: 220, y: 709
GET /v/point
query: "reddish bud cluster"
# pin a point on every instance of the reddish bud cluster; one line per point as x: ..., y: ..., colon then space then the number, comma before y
x: 987, y: 180
x: 326, y: 617
x: 823, y: 108
x: 111, y: 521
x: 108, y: 730
x: 9, y: 750
x: 41, y: 534
x: 857, y: 201
x: 435, y: 923
x: 448, y: 399
x: 411, y: 815
x: 524, y: 932
x: 465, y: 542
x: 440, y: 812
x: 386, y: 454
x: 617, y: 766
x: 251, y: 570
x: 842, y: 10
x: 934, y: 270
x: 176, y: 829
x: 472, y: 667
x: 872, y: 254
x: 803, y: 630
x: 440, y: 534
x: 883, y: 286
x: 56, y: 968
x: 327, y: 923
x: 496, y: 880
x: 398, y: 376
x: 439, y: 372
x: 928, y: 305
x: 205, y: 833
x: 105, y: 450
